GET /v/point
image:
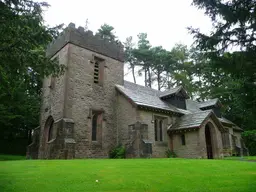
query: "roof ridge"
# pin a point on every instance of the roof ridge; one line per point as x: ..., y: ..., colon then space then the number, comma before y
x: 203, y: 111
x: 150, y: 88
x: 209, y: 100
x: 138, y: 85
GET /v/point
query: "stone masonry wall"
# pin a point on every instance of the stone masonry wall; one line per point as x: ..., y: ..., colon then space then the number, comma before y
x: 158, y: 147
x: 238, y: 138
x: 195, y: 142
x: 52, y: 99
x: 83, y: 95
x: 86, y: 39
x: 126, y: 114
x: 216, y: 140
x: 192, y: 147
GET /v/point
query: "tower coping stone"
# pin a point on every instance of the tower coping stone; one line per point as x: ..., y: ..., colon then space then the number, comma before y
x: 87, y: 40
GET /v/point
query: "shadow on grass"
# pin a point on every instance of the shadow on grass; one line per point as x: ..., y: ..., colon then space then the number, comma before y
x: 243, y: 158
x: 4, y: 157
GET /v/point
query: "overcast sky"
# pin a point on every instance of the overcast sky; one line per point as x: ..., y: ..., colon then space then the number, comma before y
x: 164, y: 21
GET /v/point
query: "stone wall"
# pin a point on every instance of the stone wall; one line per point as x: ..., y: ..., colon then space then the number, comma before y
x: 33, y: 148
x: 83, y: 95
x: 216, y: 140
x: 192, y: 147
x: 228, y: 150
x: 53, y: 99
x: 86, y: 39
x: 195, y: 146
x: 238, y: 138
x: 62, y: 145
x: 126, y: 114
x: 158, y: 147
x: 74, y: 95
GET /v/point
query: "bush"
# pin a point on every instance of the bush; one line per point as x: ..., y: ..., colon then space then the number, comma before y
x: 249, y: 138
x: 117, y: 153
x: 170, y: 154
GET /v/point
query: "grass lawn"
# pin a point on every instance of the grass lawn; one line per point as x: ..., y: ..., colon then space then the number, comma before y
x: 127, y: 175
x: 247, y: 158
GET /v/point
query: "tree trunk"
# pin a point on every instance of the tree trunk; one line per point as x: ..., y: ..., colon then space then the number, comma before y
x: 29, y: 136
x: 145, y: 71
x: 133, y: 74
x: 158, y: 80
x: 168, y: 80
x: 149, y: 77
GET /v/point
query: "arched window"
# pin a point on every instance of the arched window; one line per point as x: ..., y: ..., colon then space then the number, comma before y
x: 94, y: 126
x: 183, y: 139
x: 155, y: 124
x: 161, y: 130
x: 48, y: 129
x: 50, y: 132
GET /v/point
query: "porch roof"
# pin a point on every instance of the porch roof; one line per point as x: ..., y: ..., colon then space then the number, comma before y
x: 195, y: 120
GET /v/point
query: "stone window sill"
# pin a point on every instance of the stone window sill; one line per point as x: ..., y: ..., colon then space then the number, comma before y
x: 96, y: 143
x: 161, y: 143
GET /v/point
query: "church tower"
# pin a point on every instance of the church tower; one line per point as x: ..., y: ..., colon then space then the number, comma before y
x: 78, y: 109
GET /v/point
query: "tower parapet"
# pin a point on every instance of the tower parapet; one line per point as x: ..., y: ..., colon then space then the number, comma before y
x: 86, y: 39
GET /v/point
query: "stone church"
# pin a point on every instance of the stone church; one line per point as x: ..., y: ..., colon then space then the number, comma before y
x: 90, y: 109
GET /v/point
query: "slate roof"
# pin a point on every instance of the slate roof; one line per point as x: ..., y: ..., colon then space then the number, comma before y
x: 151, y: 98
x: 170, y: 92
x: 192, y: 105
x: 237, y: 128
x: 173, y: 91
x: 145, y: 96
x: 224, y: 120
x: 208, y: 103
x: 234, y: 126
x: 191, y: 120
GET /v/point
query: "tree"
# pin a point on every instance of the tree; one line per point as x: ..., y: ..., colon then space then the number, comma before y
x: 129, y: 56
x: 144, y: 57
x: 23, y: 65
x: 234, y: 30
x: 106, y: 32
x: 160, y: 59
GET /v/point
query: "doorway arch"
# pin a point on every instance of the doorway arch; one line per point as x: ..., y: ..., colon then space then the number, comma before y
x: 48, y: 129
x: 209, y: 141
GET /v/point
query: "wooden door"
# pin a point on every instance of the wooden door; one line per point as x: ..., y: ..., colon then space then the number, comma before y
x: 208, y: 140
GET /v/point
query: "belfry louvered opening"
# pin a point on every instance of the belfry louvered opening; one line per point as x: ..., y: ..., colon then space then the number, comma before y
x: 96, y: 72
x: 98, y: 75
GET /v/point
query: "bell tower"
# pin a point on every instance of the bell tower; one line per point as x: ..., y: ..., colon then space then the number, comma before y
x: 81, y: 102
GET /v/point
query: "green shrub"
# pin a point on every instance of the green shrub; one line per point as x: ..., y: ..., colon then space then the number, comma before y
x: 170, y: 154
x: 249, y: 138
x: 117, y: 153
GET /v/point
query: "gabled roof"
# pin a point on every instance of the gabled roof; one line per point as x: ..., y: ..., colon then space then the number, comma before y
x: 174, y: 91
x: 234, y: 126
x: 151, y: 99
x: 192, y: 105
x: 208, y: 103
x: 147, y: 97
x: 224, y: 120
x: 194, y: 120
